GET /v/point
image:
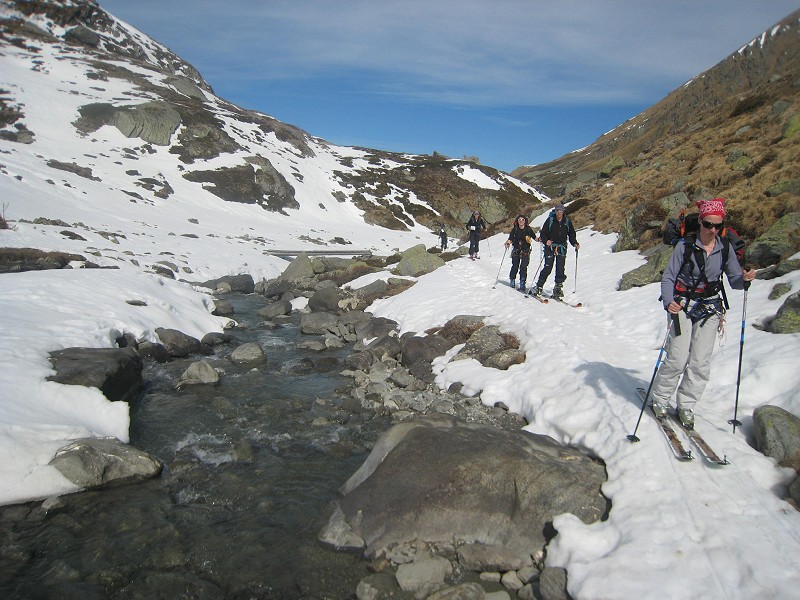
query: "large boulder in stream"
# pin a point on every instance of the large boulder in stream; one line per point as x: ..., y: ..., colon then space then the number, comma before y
x: 491, y: 493
x: 92, y: 462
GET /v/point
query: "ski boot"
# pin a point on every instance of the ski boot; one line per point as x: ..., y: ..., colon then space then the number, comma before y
x: 536, y: 290
x: 512, y: 283
x: 659, y: 410
x: 558, y: 293
x: 521, y: 285
x: 686, y: 417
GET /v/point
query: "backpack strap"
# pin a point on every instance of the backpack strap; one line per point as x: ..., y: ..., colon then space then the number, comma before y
x: 700, y: 259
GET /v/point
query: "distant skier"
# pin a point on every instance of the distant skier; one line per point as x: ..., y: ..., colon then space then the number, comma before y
x: 474, y: 227
x: 554, y: 235
x: 442, y: 239
x: 521, y: 238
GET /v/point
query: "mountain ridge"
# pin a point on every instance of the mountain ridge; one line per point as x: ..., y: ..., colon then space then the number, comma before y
x: 729, y: 131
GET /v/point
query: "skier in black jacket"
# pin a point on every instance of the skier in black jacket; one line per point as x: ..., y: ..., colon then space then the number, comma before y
x: 554, y: 235
x: 520, y: 238
x: 474, y: 226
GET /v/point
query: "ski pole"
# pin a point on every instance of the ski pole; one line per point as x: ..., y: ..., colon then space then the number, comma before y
x: 734, y: 421
x: 496, y: 279
x: 541, y: 260
x: 632, y: 437
x: 575, y: 288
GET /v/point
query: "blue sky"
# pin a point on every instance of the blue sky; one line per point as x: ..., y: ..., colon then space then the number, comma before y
x: 514, y: 82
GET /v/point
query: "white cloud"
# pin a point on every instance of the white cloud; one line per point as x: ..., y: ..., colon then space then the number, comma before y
x: 455, y: 52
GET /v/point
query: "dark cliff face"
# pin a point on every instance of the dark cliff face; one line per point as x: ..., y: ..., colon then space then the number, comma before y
x: 730, y: 132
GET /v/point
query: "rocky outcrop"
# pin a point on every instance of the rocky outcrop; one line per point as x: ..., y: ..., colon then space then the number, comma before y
x: 787, y: 319
x: 417, y: 261
x: 153, y: 122
x: 651, y: 271
x: 779, y: 242
x: 17, y: 260
x: 777, y: 433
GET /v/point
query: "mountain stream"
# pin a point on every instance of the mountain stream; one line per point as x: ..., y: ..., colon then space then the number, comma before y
x: 251, y: 466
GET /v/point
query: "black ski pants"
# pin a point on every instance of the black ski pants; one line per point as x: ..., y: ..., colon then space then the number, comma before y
x: 549, y: 258
x: 519, y: 263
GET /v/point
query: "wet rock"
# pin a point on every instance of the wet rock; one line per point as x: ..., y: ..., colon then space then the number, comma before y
x: 237, y: 283
x: 222, y: 308
x: 178, y: 344
x: 274, y: 288
x: 424, y: 575
x: 216, y: 338
x: 317, y: 344
x: 117, y: 372
x: 93, y: 462
x: 249, y: 354
x: 318, y: 323
x: 201, y: 372
x: 153, y: 351
x: 462, y: 591
x: 275, y: 309
x: 380, y: 586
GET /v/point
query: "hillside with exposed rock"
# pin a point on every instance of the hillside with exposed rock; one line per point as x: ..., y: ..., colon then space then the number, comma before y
x: 732, y: 131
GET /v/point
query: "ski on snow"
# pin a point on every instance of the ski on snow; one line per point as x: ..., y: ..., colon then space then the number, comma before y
x: 680, y: 452
x: 562, y: 301
x: 546, y: 299
x: 541, y: 299
x: 700, y: 443
x: 670, y: 435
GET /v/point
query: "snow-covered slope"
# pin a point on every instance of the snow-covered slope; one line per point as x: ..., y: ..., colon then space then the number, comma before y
x: 106, y: 131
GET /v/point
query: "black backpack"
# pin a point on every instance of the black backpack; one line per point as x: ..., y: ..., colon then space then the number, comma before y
x: 687, y: 226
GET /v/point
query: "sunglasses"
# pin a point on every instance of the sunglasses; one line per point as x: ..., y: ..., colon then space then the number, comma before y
x: 708, y: 225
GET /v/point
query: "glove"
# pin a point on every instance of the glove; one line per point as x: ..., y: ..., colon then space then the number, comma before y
x: 528, y: 239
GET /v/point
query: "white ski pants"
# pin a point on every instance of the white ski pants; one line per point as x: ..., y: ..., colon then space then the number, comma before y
x: 688, y: 363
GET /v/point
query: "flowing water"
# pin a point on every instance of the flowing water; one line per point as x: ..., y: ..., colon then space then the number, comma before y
x: 251, y: 467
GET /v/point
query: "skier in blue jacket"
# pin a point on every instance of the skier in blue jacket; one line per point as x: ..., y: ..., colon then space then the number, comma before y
x: 554, y: 235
